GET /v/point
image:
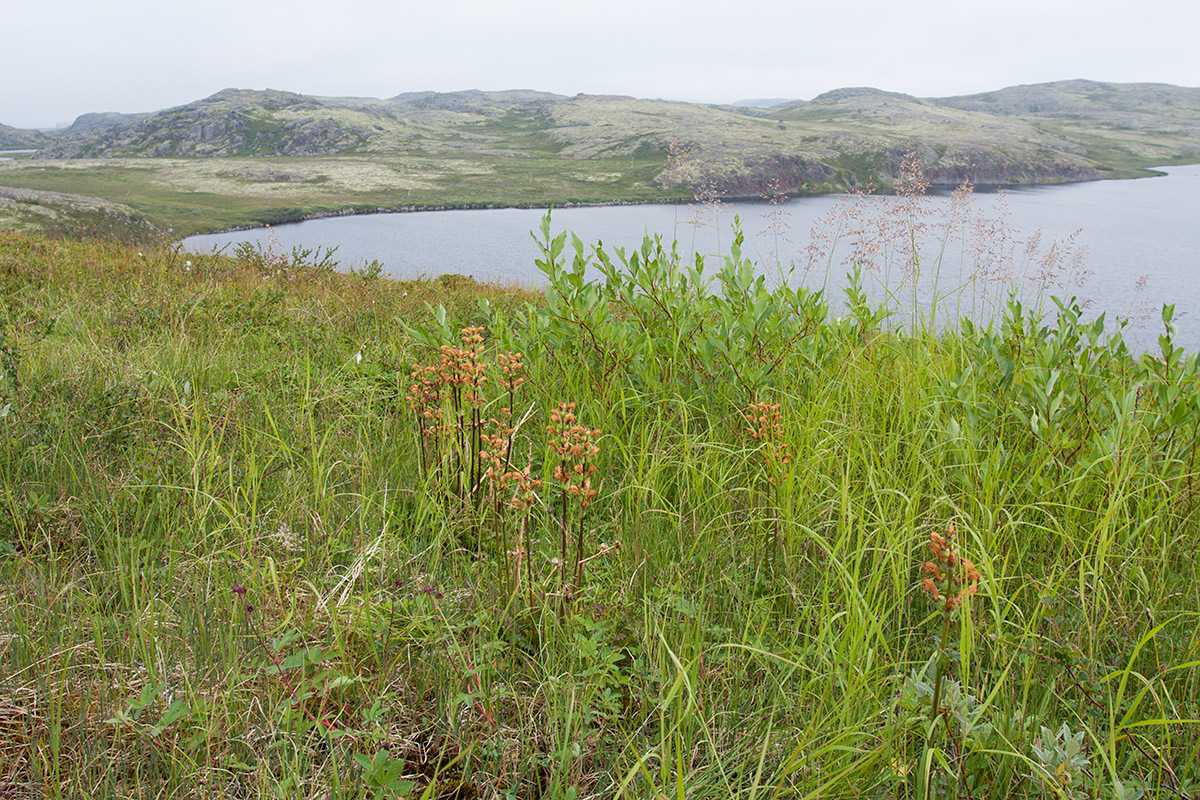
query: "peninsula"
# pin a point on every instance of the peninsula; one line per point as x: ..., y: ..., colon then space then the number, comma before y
x: 241, y: 157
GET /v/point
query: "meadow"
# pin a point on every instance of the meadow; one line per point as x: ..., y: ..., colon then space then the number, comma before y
x: 272, y: 530
x: 243, y: 158
x: 186, y: 196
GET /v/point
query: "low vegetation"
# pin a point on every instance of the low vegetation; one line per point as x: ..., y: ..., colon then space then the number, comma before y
x: 194, y: 195
x: 60, y: 214
x: 242, y: 158
x: 270, y: 530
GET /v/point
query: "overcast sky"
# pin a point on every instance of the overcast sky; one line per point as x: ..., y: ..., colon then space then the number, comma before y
x: 61, y: 58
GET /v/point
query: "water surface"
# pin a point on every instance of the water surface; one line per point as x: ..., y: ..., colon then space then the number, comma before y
x: 1138, y: 241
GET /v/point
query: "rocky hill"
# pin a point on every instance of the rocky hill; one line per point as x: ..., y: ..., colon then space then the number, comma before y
x: 91, y: 123
x: 56, y: 212
x: 1122, y: 124
x: 1065, y: 131
x: 229, y: 123
x: 1085, y: 99
x: 20, y: 138
x: 956, y: 145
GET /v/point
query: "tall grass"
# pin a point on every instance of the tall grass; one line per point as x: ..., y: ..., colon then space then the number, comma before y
x: 234, y: 562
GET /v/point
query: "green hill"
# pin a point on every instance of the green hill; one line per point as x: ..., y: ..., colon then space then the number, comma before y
x: 1121, y: 126
x: 230, y: 157
x: 11, y: 137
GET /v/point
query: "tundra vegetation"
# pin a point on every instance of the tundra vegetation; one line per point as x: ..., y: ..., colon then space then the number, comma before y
x: 242, y: 158
x: 662, y: 529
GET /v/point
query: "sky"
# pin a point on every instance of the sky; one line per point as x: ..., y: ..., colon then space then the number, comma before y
x: 62, y: 58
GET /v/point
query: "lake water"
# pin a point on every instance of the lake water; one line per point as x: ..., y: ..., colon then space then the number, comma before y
x: 1124, y: 247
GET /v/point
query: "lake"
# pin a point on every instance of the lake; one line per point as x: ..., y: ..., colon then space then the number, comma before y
x: 1124, y: 247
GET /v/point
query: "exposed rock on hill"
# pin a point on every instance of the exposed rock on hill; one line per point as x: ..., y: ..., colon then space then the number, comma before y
x: 89, y: 123
x: 1084, y: 98
x: 229, y: 123
x: 57, y: 212
x: 20, y: 138
x: 1066, y: 131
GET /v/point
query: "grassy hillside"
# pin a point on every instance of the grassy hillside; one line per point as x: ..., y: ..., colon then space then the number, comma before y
x: 20, y: 138
x: 244, y: 157
x: 267, y: 529
x: 1123, y: 127
x: 193, y: 195
x: 73, y: 215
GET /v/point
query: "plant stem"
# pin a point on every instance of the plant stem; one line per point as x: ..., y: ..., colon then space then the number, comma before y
x: 943, y: 662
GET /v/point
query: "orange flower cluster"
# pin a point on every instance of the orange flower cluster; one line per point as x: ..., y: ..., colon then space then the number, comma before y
x: 952, y: 579
x: 526, y: 492
x: 766, y: 426
x: 497, y: 451
x: 497, y: 456
x: 425, y: 397
x: 511, y: 370
x: 460, y: 366
x: 575, y: 446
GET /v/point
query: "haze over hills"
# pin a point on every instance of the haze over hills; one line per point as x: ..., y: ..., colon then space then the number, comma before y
x: 89, y: 123
x: 763, y: 102
x: 1064, y: 131
x: 21, y: 137
x: 241, y: 157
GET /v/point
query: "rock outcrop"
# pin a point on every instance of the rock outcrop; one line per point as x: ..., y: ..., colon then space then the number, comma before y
x: 229, y: 123
x: 21, y: 138
x: 1050, y: 133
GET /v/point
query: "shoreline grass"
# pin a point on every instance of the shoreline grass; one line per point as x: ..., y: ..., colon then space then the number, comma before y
x: 193, y: 196
x: 205, y: 195
x: 236, y: 560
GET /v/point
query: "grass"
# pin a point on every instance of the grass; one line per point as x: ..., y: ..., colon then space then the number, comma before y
x: 196, y: 195
x: 234, y: 563
x: 500, y: 151
x: 65, y: 214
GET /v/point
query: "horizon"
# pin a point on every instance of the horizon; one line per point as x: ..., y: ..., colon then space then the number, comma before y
x: 134, y: 56
x: 62, y: 124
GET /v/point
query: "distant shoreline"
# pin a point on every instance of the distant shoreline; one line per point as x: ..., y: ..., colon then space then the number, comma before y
x: 364, y: 212
x: 989, y: 188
